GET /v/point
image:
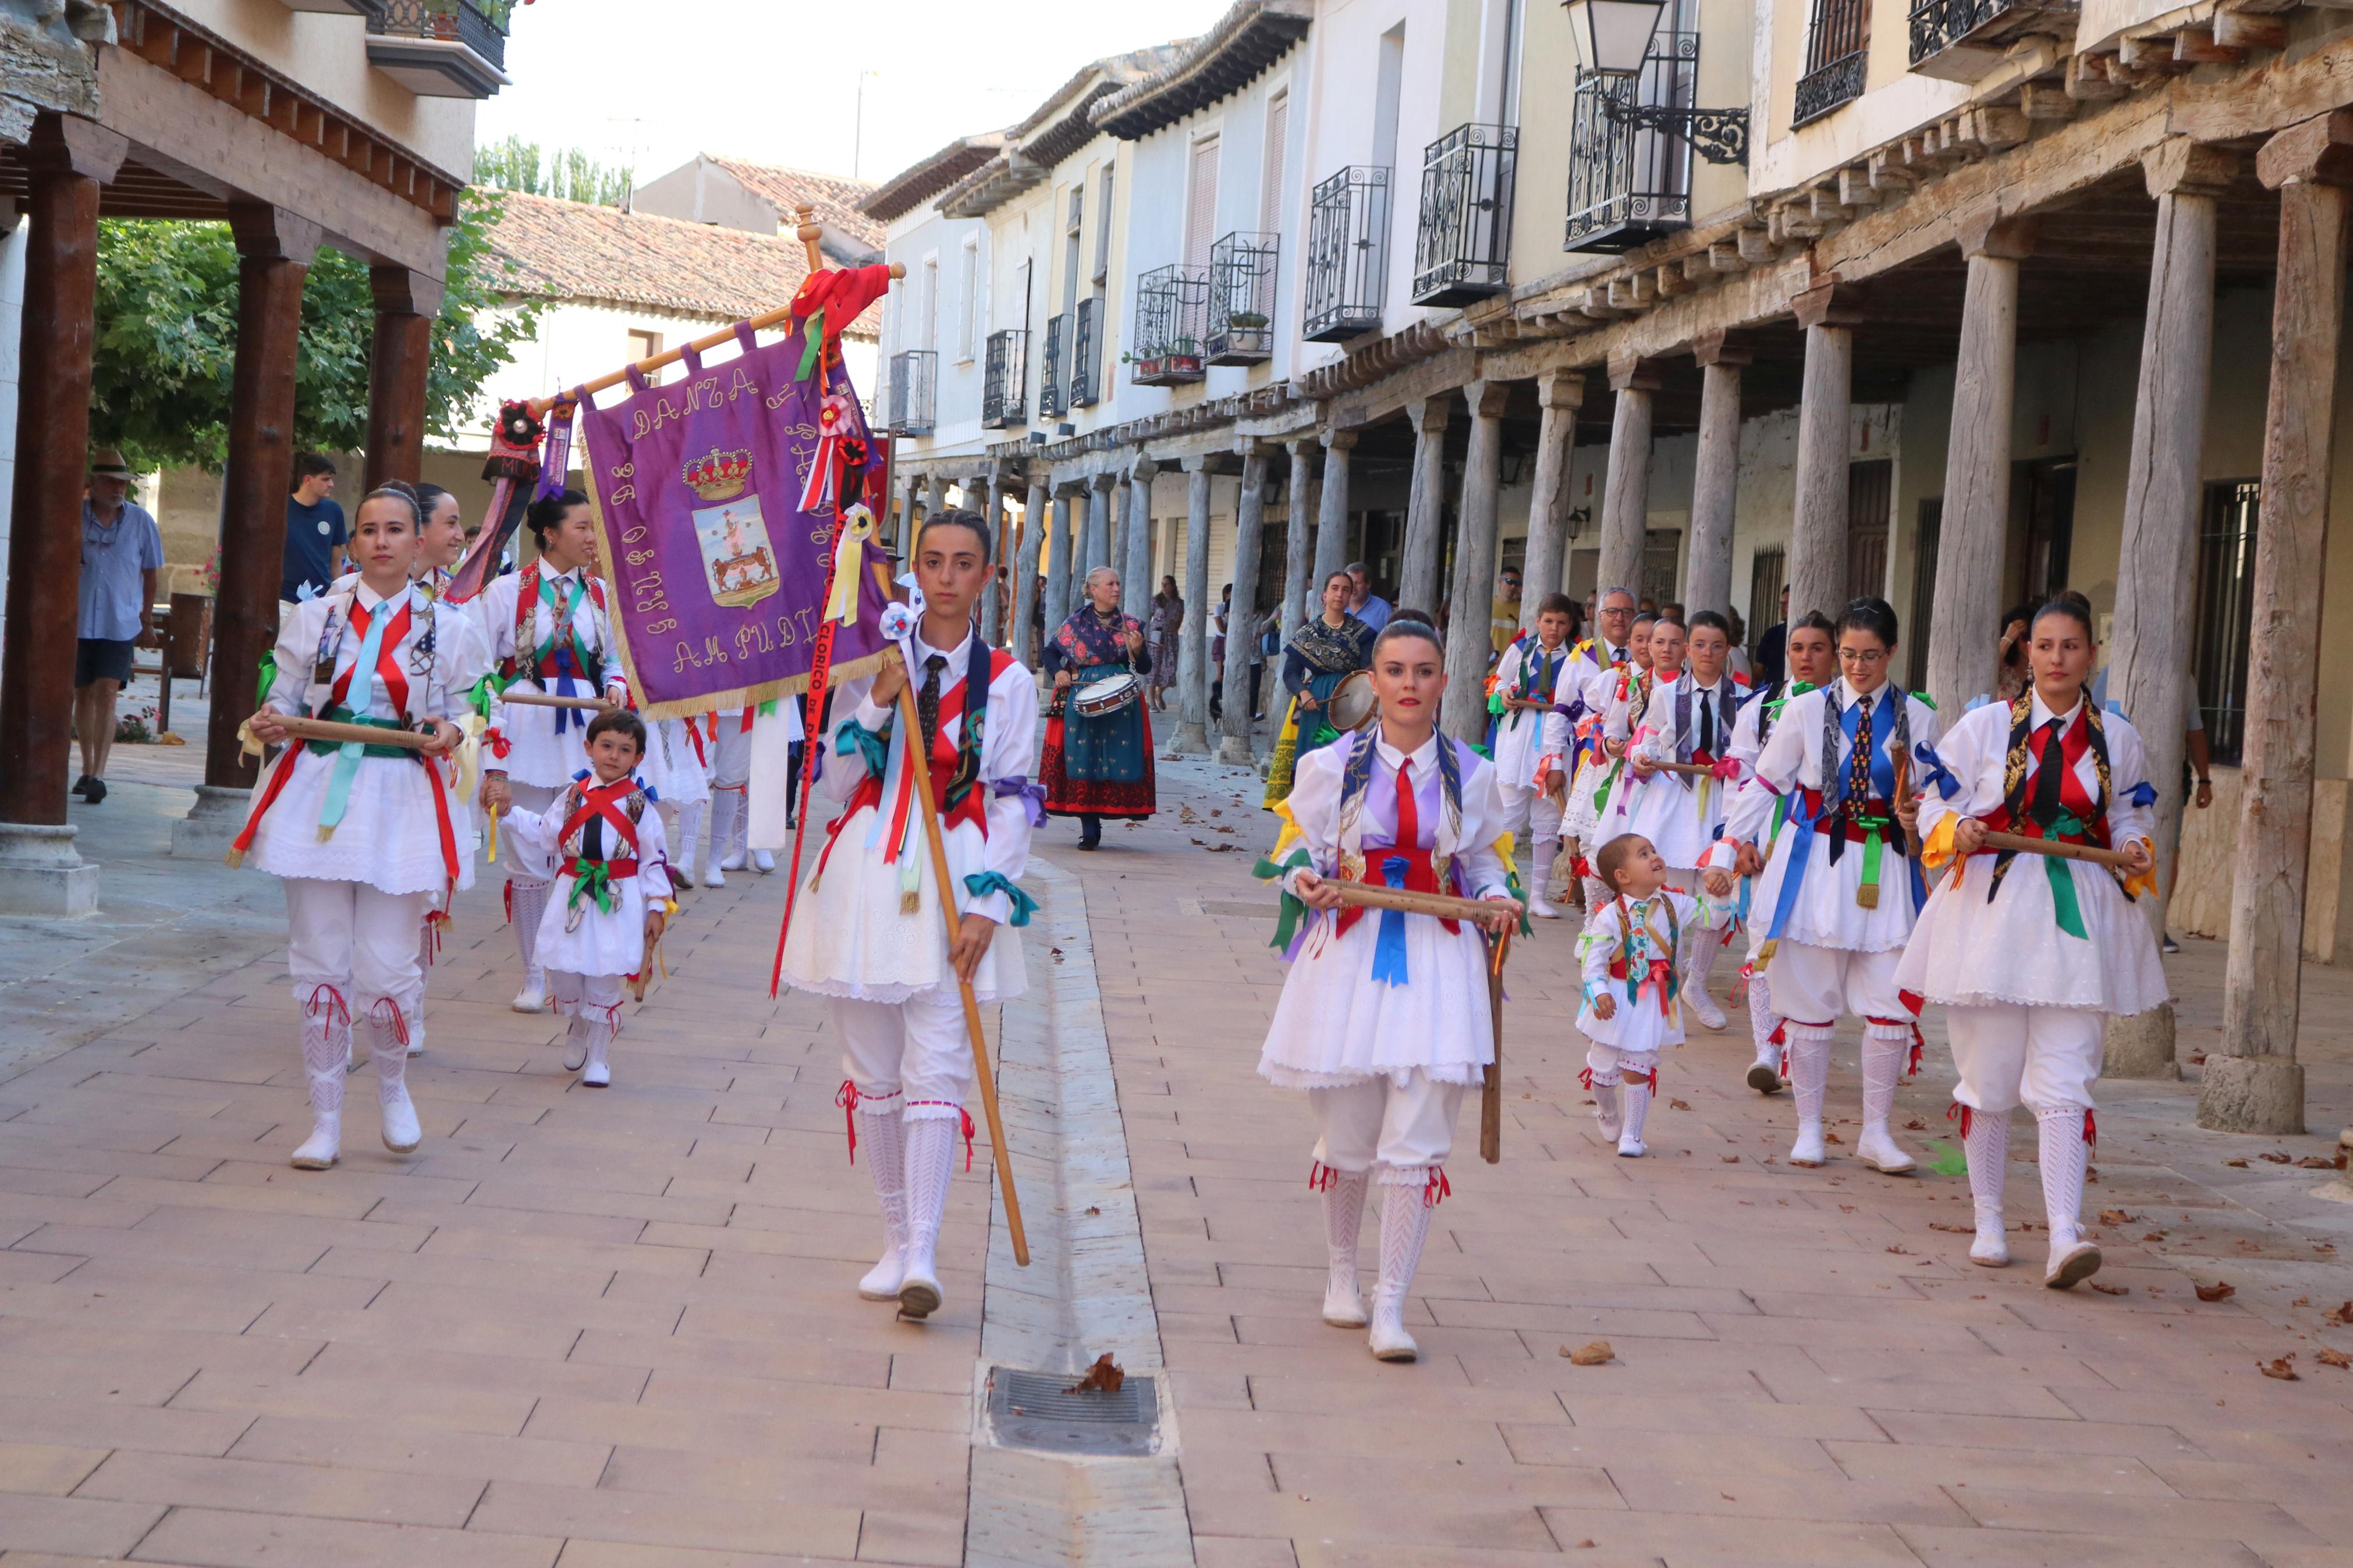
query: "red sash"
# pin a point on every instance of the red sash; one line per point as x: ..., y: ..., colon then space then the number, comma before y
x: 605, y: 801
x: 945, y: 760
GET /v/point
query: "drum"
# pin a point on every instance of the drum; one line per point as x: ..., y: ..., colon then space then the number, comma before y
x: 1353, y: 704
x: 1102, y: 699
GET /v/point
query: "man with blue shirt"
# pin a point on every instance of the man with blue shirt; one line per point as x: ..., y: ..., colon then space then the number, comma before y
x: 121, y: 550
x: 314, y: 532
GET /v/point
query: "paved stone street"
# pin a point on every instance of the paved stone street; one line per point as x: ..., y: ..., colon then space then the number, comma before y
x: 617, y: 1329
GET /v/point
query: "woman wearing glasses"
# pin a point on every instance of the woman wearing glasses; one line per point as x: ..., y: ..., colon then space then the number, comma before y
x: 1839, y: 892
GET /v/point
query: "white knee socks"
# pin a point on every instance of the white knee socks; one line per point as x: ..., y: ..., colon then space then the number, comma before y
x: 2064, y: 1155
x: 1987, y: 1144
x: 529, y: 901
x: 388, y: 1037
x: 1698, y: 964
x: 1540, y: 879
x: 1809, y: 1073
x: 731, y: 828
x: 882, y: 1127
x: 1761, y: 1025
x: 931, y: 1161
x: 1885, y: 1047
x: 1640, y: 1086
x: 1604, y: 1085
x: 1405, y: 1226
x: 326, y: 1050
x: 688, y: 849
x: 1343, y: 1215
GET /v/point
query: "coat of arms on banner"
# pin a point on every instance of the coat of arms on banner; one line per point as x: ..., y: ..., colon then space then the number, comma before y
x: 739, y: 564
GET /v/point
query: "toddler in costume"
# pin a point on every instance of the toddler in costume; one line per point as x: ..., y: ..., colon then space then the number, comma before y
x: 1632, y: 954
x: 603, y: 839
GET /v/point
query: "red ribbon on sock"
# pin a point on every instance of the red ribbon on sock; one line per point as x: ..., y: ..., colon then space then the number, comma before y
x: 1957, y: 1108
x: 337, y: 1010
x: 1435, y: 1190
x: 1320, y: 1176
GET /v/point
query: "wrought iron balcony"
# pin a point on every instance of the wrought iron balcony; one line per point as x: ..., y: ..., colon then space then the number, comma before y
x: 1962, y: 40
x: 1086, y: 348
x: 1004, y: 380
x: 1347, y: 254
x: 1630, y: 183
x: 1837, y: 48
x: 1050, y: 403
x: 1463, y: 250
x: 914, y: 392
x: 1172, y: 317
x: 440, y: 48
x: 1242, y: 298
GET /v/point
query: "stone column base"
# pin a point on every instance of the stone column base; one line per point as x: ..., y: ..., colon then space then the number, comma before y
x: 212, y: 824
x: 41, y: 873
x: 1235, y: 753
x: 1192, y: 740
x: 2251, y: 1094
x: 2142, y: 1046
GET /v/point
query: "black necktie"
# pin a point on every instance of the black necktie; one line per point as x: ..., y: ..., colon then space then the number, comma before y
x: 2048, y: 775
x: 927, y: 702
x: 1707, y: 724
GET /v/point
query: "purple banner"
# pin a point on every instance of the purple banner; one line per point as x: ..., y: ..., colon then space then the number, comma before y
x: 718, y: 573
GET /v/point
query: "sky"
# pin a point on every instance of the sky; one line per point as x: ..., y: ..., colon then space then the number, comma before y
x: 647, y: 84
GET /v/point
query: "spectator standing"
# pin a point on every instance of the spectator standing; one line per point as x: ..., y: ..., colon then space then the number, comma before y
x: 1504, y: 617
x: 1218, y: 616
x: 316, y: 535
x: 1363, y: 602
x: 1773, y: 646
x: 121, y: 550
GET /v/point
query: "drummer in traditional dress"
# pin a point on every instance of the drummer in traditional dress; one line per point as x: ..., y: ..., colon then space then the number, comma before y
x: 866, y: 931
x: 1527, y: 684
x: 1839, y: 891
x: 1098, y: 759
x: 1327, y: 650
x: 1385, y: 1016
x: 362, y: 835
x: 2032, y: 954
x: 546, y: 626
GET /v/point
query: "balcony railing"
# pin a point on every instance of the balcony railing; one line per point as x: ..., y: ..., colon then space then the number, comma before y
x: 914, y: 392
x: 440, y: 48
x: 1838, y: 47
x: 1004, y: 380
x: 1172, y: 317
x: 1962, y: 40
x: 1463, y: 247
x: 1050, y: 403
x: 1241, y: 297
x: 1086, y: 347
x: 1347, y: 254
x: 1628, y: 186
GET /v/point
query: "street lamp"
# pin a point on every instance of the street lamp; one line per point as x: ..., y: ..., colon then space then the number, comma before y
x: 1614, y: 37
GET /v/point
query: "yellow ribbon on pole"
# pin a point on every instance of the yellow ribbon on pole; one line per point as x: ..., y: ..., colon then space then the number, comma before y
x: 848, y: 565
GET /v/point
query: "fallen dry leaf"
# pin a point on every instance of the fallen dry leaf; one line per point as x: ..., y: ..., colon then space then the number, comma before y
x: 2301, y: 1301
x: 2242, y: 1164
x: 2117, y: 1216
x: 1593, y: 1352
x: 2341, y: 1316
x: 2315, y: 1163
x: 1899, y: 1252
x: 1103, y: 1378
x: 2277, y: 1158
x: 2110, y: 1289
x: 1677, y: 1105
x: 2335, y: 1358
x: 1915, y: 1125
x: 2218, y: 1291
x: 1729, y: 1159
x: 1832, y: 1138
x: 2281, y: 1370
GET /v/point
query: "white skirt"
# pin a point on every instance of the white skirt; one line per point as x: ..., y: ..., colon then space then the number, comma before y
x: 1973, y: 953
x: 389, y: 837
x: 541, y: 756
x: 673, y: 767
x: 850, y: 938
x: 602, y: 943
x: 1582, y: 818
x: 1337, y: 1024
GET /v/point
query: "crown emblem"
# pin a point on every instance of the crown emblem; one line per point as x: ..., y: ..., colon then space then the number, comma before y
x: 719, y: 476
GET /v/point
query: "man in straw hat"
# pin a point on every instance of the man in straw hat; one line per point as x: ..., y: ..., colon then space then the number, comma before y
x: 122, y: 549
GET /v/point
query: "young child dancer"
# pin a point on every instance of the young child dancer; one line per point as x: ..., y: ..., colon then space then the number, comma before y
x: 1527, y: 682
x: 546, y: 626
x: 1384, y: 1018
x: 1811, y: 663
x: 866, y: 931
x: 612, y: 890
x: 1839, y: 891
x: 1630, y: 953
x: 362, y: 835
x: 2029, y: 954
x: 1613, y: 698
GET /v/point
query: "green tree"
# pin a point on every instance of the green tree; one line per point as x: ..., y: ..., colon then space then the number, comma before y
x: 567, y: 173
x: 166, y: 343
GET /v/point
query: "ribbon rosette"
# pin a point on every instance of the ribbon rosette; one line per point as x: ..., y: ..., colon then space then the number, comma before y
x: 1388, y: 943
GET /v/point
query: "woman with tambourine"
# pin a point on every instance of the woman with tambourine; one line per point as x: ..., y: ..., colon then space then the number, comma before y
x: 1328, y: 650
x: 1098, y: 759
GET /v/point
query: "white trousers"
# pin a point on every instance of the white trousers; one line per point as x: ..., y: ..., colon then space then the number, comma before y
x: 2009, y: 1055
x: 1610, y: 1064
x: 1815, y: 984
x: 1527, y: 807
x: 356, y: 939
x: 731, y: 754
x: 1378, y: 1121
x: 918, y: 1045
x: 593, y: 996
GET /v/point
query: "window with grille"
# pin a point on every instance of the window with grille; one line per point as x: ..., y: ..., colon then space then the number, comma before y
x: 1837, y: 45
x: 1767, y: 571
x: 2225, y: 612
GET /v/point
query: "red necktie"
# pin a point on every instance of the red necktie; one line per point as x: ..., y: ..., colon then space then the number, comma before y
x: 1409, y: 819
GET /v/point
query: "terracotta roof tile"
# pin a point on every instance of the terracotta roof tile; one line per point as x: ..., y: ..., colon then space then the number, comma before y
x: 572, y: 251
x: 835, y: 199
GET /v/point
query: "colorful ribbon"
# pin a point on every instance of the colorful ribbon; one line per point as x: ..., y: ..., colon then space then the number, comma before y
x: 1388, y: 945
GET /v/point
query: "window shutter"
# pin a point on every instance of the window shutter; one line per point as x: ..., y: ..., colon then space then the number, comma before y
x: 1270, y: 195
x: 1202, y: 203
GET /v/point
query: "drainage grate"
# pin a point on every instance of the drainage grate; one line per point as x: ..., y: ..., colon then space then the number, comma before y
x: 1030, y: 1410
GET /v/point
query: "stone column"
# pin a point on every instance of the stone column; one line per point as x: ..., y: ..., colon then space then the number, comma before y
x: 1463, y: 712
x: 980, y: 495
x: 1332, y: 505
x: 40, y: 872
x: 1976, y: 526
x: 911, y: 513
x: 1559, y: 393
x: 1193, y: 675
x: 274, y: 249
x: 2149, y: 654
x: 1098, y: 550
x: 405, y: 304
x: 1298, y: 537
x: 1626, y: 492
x: 1136, y: 558
x: 1716, y: 474
x: 1037, y: 522
x: 1062, y: 524
x: 1241, y: 620
x: 1425, y: 515
x: 2254, y: 1082
x: 1817, y: 569
x: 936, y: 495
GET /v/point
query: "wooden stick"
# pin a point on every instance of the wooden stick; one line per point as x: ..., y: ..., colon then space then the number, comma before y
x: 1689, y: 770
x: 781, y: 316
x: 1491, y: 1090
x: 548, y: 700
x: 911, y: 728
x: 2059, y: 850
x: 1373, y: 896
x: 307, y: 729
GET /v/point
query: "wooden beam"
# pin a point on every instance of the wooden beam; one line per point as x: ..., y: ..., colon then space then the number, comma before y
x: 2196, y: 47
x: 2089, y: 81
x: 2045, y: 100
x: 2242, y: 30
